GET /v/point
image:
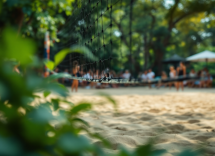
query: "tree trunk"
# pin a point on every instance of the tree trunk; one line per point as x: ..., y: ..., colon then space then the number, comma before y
x: 158, y: 65
x: 146, y: 53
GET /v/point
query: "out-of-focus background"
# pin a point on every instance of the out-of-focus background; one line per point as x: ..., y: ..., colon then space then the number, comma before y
x: 164, y: 32
x: 149, y: 40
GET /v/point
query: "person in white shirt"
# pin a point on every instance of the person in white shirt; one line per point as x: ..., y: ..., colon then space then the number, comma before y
x: 144, y: 76
x: 150, y: 76
x: 126, y: 75
x: 87, y: 76
x: 172, y: 75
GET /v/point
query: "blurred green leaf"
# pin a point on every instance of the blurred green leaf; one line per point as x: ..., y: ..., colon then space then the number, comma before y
x: 15, y: 47
x: 42, y: 114
x: 73, y: 144
x: 62, y: 117
x: 105, y: 142
x: 99, y: 151
x: 158, y: 152
x: 80, y: 108
x: 61, y: 55
x: 4, y: 92
x: 80, y: 121
x: 49, y: 64
x: 46, y: 93
x: 55, y: 88
x: 68, y: 102
x: 58, y: 76
x: 74, y: 49
x: 85, y: 51
x: 55, y: 103
x: 125, y: 152
x: 9, y: 147
x: 33, y: 131
x: 144, y: 150
x: 189, y: 153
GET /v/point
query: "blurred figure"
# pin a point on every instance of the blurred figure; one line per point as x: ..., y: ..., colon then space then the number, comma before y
x: 204, y: 78
x: 139, y: 75
x: 192, y: 75
x: 163, y: 77
x: 197, y: 83
x: 126, y: 75
x: 144, y: 76
x: 92, y: 84
x: 113, y: 74
x: 181, y: 71
x: 84, y: 83
x: 65, y: 81
x: 120, y: 74
x: 74, y: 73
x: 97, y: 76
x: 150, y: 76
x: 56, y: 71
x: 172, y: 75
x: 87, y: 75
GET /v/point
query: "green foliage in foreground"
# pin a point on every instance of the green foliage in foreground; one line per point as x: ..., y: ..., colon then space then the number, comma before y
x: 35, y: 125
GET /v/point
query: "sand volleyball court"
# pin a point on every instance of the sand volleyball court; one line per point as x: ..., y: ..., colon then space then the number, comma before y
x: 178, y: 120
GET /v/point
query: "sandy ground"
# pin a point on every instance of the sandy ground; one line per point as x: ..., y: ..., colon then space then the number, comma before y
x: 178, y: 120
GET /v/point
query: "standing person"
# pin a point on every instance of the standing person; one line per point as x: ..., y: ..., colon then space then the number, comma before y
x: 74, y: 73
x: 172, y: 75
x: 150, y: 76
x: 181, y: 71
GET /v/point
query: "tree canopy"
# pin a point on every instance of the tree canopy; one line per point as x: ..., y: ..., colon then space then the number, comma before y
x: 159, y: 29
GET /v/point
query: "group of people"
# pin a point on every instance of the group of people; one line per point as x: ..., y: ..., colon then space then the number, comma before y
x: 179, y: 72
x: 89, y: 74
x: 148, y: 75
x: 204, y: 78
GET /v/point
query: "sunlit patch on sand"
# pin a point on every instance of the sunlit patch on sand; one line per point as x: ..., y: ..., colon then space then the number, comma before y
x: 178, y: 121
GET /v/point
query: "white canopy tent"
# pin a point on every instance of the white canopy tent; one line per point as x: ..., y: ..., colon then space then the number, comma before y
x: 205, y: 56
